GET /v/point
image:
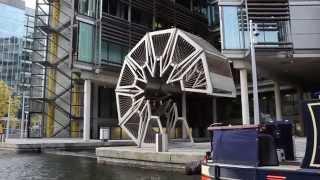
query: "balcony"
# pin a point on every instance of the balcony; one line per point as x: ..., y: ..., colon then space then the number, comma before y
x: 272, y: 19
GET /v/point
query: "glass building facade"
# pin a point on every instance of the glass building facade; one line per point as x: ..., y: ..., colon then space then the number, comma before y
x: 15, y: 63
x: 15, y: 56
x: 123, y: 23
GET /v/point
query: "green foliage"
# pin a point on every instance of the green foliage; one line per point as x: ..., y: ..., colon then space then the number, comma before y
x: 6, y: 98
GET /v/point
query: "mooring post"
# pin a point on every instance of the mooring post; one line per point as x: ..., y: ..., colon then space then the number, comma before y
x: 158, y: 142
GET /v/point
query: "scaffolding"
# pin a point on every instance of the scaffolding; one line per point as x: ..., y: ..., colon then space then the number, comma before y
x: 55, y: 103
x: 26, y: 75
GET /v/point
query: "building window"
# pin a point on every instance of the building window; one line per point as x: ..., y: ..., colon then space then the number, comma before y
x: 185, y: 3
x: 161, y: 22
x: 234, y: 29
x: 116, y: 8
x: 112, y: 53
x: 123, y: 12
x: 86, y: 46
x: 213, y: 15
x: 87, y: 7
x: 141, y: 17
x: 200, y: 7
x: 113, y: 7
x: 268, y: 33
x: 115, y: 53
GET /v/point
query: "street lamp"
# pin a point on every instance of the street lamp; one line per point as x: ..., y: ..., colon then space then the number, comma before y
x: 253, y: 33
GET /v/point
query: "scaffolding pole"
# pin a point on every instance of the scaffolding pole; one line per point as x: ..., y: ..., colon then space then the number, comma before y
x: 75, y: 103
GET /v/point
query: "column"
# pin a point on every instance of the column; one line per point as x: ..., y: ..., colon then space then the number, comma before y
x: 300, y: 129
x: 244, y: 97
x: 214, y: 110
x: 86, y: 109
x: 184, y: 114
x: 277, y: 99
x: 94, y: 115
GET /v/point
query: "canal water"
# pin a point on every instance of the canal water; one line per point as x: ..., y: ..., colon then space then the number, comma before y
x: 52, y: 167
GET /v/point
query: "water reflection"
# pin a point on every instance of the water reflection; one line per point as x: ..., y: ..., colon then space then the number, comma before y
x: 52, y: 167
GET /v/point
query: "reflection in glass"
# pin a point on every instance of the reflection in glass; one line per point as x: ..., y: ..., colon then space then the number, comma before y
x: 115, y: 8
x: 104, y: 50
x: 87, y: 7
x: 141, y: 17
x: 115, y: 53
x: 112, y: 53
x: 213, y: 15
x: 235, y: 30
x: 12, y: 31
x: 85, y: 42
x: 200, y: 7
x: 235, y: 34
x: 11, y: 25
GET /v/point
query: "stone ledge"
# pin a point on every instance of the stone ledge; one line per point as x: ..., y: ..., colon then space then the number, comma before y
x: 142, y: 164
x: 30, y: 145
x: 174, y: 160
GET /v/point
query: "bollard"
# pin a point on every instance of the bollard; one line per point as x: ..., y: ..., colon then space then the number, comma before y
x: 164, y: 142
x: 158, y: 142
x: 161, y: 142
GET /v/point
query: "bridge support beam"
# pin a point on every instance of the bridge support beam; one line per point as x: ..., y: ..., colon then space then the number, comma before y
x: 184, y: 114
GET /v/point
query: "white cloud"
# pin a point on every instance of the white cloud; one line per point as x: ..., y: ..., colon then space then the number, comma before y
x: 31, y: 3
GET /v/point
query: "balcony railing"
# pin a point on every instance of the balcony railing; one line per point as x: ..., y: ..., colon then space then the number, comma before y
x: 272, y: 19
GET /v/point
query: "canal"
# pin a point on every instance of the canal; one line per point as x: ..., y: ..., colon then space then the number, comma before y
x: 51, y: 167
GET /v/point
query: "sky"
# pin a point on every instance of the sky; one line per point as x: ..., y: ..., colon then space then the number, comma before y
x: 30, y: 3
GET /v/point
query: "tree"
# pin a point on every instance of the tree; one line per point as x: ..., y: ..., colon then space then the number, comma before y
x: 6, y: 93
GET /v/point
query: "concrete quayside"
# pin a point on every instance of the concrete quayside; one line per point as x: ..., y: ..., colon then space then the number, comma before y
x: 146, y: 157
x: 124, y: 153
x: 175, y: 159
x: 38, y: 145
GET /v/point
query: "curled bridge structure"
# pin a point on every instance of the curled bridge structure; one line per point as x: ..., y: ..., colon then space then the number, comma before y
x: 157, y: 71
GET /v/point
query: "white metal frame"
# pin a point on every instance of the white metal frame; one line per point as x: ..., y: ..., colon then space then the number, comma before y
x: 141, y: 62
